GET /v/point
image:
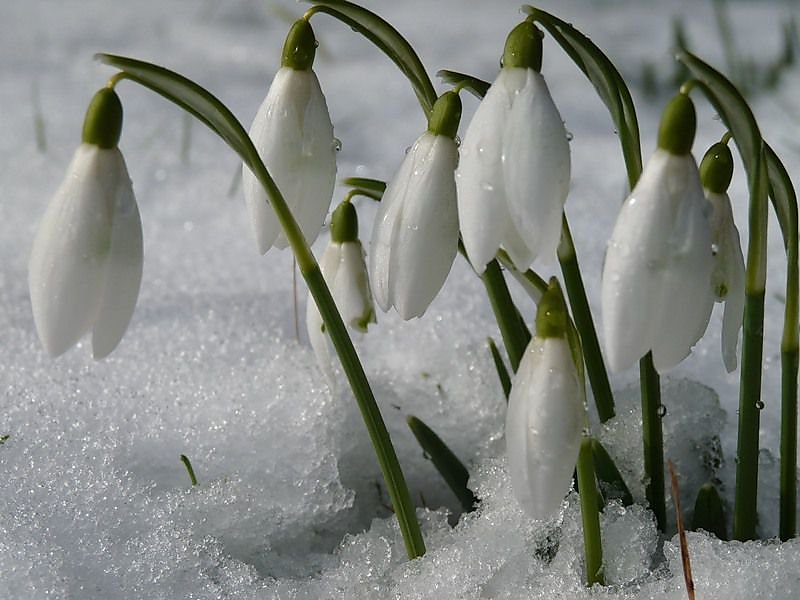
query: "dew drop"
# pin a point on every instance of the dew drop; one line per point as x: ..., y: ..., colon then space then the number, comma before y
x: 661, y: 411
x: 760, y: 405
x: 714, y: 249
x: 569, y: 136
x: 486, y: 186
x: 337, y: 144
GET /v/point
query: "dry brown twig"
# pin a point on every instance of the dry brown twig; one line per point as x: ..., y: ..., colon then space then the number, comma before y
x: 687, y: 565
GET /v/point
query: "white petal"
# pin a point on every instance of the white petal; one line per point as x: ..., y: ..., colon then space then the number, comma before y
x: 123, y: 270
x: 425, y: 237
x: 350, y: 287
x: 293, y: 133
x: 71, y: 247
x: 482, y: 207
x: 536, y: 166
x: 544, y: 425
x: 320, y: 343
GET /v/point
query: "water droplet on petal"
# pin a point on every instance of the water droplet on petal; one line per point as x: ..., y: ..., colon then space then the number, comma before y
x: 569, y: 136
x: 337, y: 144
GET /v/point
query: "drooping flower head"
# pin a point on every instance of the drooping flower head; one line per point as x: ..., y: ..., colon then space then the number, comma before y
x: 345, y: 271
x: 513, y: 176
x: 655, y: 293
x: 293, y: 133
x: 728, y: 275
x: 86, y: 261
x: 415, y: 236
x: 546, y: 413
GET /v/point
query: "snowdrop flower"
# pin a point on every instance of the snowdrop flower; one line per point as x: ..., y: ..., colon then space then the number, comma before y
x: 86, y: 263
x: 345, y: 272
x: 293, y: 133
x: 546, y: 413
x: 728, y: 276
x: 656, y: 294
x: 513, y: 176
x: 415, y: 236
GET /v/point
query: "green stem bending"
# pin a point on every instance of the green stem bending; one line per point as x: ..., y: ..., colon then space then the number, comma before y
x: 590, y: 514
x: 592, y: 355
x: 745, y: 516
x: 512, y: 327
x: 653, y: 440
x: 788, y: 487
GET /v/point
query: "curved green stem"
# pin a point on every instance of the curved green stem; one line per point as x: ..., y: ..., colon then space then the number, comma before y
x: 592, y: 355
x: 208, y: 109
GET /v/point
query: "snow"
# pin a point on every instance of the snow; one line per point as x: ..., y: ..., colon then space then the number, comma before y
x: 94, y: 501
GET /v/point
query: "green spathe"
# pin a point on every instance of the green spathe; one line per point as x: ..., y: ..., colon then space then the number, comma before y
x: 344, y: 223
x: 551, y: 314
x: 300, y: 47
x: 716, y: 168
x: 678, y: 126
x: 102, y: 125
x: 523, y: 48
x: 446, y: 115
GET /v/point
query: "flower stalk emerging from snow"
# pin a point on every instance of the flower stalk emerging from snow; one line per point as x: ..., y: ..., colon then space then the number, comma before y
x: 513, y: 176
x: 345, y: 271
x: 727, y: 278
x: 656, y: 292
x: 293, y: 133
x: 415, y: 237
x: 86, y: 262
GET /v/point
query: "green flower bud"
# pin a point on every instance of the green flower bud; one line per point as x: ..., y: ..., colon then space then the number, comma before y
x: 678, y: 126
x: 300, y: 47
x: 102, y: 125
x: 344, y: 223
x: 551, y: 314
x: 716, y: 168
x: 446, y: 115
x: 523, y: 47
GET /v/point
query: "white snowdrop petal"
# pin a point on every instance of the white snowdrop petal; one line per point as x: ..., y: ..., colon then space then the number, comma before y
x: 544, y: 426
x: 425, y: 241
x: 482, y: 210
x: 71, y: 249
x: 294, y: 136
x: 732, y: 323
x: 351, y: 287
x: 536, y: 166
x: 123, y: 270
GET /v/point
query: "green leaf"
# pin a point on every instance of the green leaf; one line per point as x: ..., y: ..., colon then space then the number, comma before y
x: 614, y: 485
x: 607, y: 81
x: 500, y: 366
x: 388, y: 40
x: 709, y: 513
x: 478, y: 87
x: 451, y: 469
x: 372, y: 188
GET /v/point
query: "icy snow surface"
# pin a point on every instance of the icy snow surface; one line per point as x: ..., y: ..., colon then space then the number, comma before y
x: 94, y: 502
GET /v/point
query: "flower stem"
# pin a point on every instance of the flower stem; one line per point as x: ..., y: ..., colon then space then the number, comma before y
x: 515, y: 335
x: 652, y: 439
x: 593, y: 357
x: 592, y: 543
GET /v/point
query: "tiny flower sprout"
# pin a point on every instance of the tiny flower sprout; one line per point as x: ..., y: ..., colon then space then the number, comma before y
x: 415, y: 236
x: 546, y: 413
x: 345, y: 272
x: 656, y: 292
x: 86, y: 262
x: 513, y: 176
x: 728, y: 276
x: 293, y: 133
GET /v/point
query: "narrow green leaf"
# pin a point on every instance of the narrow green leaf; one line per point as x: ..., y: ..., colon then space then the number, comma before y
x: 500, y: 366
x: 190, y: 97
x: 709, y: 513
x: 476, y: 86
x: 189, y: 469
x: 372, y: 188
x: 451, y: 469
x: 614, y: 485
x: 388, y: 40
x: 607, y: 81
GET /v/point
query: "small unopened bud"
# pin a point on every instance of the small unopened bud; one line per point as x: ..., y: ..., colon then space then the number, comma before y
x: 344, y: 223
x: 678, y: 126
x: 551, y: 314
x: 716, y: 168
x: 446, y: 115
x: 300, y: 47
x: 102, y: 125
x: 523, y: 47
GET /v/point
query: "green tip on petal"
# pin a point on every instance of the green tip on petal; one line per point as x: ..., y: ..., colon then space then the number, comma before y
x: 678, y: 126
x: 551, y: 314
x: 344, y: 223
x: 523, y: 47
x: 446, y: 115
x: 102, y: 125
x: 716, y: 168
x: 300, y: 47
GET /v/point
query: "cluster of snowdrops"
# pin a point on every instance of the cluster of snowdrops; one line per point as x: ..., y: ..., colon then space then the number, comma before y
x: 498, y: 195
